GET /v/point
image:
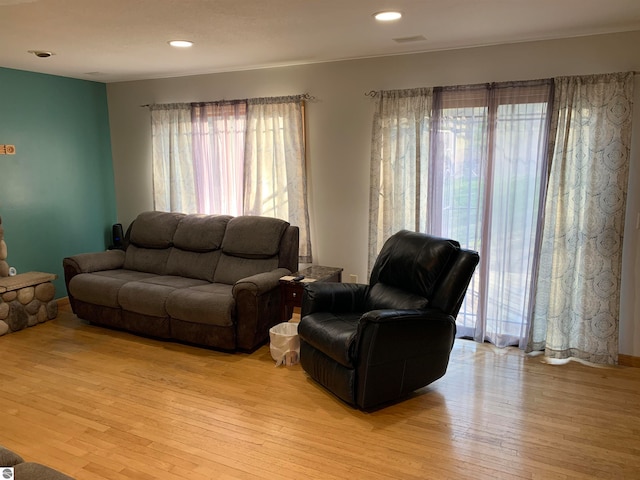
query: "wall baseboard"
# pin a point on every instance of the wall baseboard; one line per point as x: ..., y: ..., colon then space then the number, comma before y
x: 623, y: 360
x: 628, y: 361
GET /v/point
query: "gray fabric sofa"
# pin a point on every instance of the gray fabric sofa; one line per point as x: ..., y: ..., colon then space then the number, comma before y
x: 210, y: 280
x: 26, y: 470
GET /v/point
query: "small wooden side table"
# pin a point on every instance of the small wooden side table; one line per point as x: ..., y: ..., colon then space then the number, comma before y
x: 291, y: 291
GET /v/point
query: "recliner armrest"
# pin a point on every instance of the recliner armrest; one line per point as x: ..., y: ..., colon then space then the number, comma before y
x: 399, y: 351
x: 333, y: 297
x: 403, y: 333
x: 392, y: 315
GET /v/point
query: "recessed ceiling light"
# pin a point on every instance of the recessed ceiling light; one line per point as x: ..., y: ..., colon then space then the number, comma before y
x: 41, y: 53
x: 181, y: 43
x: 387, y: 16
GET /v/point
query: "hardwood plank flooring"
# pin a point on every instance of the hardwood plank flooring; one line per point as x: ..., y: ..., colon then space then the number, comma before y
x: 101, y: 404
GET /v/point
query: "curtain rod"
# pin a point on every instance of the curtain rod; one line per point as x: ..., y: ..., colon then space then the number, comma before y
x: 375, y: 93
x: 302, y: 96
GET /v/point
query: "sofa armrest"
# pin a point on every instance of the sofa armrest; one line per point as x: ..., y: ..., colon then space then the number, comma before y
x: 257, y: 307
x: 87, y: 263
x: 260, y: 283
x: 94, y: 262
x: 333, y: 297
x: 9, y: 458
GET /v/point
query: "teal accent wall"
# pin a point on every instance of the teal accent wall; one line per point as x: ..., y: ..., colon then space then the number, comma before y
x: 57, y: 194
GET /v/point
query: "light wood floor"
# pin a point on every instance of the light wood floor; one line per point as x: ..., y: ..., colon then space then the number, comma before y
x: 100, y: 404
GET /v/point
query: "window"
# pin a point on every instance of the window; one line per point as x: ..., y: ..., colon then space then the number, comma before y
x: 238, y: 158
x: 470, y: 166
x: 218, y: 142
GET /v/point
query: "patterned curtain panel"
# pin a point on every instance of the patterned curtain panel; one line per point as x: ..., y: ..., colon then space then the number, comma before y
x: 578, y: 291
x: 172, y: 158
x: 399, y: 161
x: 275, y: 183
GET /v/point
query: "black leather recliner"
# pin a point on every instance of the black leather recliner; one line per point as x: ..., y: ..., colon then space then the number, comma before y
x: 374, y: 344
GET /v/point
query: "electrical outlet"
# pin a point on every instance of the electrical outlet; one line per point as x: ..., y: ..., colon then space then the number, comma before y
x: 353, y: 278
x: 7, y: 149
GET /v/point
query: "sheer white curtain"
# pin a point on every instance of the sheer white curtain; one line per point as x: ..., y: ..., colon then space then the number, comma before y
x: 578, y: 292
x: 218, y: 142
x: 172, y: 153
x: 242, y: 157
x: 274, y: 168
x: 470, y: 166
x: 488, y: 195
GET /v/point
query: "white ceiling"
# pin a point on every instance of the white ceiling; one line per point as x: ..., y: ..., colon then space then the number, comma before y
x: 118, y: 40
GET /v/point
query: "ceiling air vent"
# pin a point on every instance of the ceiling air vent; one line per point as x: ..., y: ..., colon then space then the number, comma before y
x: 415, y: 38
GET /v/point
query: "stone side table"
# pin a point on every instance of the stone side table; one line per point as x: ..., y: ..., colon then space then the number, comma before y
x: 26, y: 300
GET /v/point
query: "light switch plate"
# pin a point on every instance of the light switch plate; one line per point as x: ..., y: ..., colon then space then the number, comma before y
x: 7, y: 149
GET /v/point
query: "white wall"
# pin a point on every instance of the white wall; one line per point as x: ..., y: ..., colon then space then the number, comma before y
x: 339, y: 131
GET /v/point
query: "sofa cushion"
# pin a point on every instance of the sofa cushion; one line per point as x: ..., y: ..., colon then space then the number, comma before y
x: 149, y: 296
x: 152, y: 260
x: 28, y: 470
x: 193, y: 264
x: 144, y: 298
x: 36, y: 471
x: 253, y: 236
x: 174, y: 281
x: 154, y: 229
x: 101, y: 288
x: 230, y: 269
x: 8, y: 458
x: 211, y: 304
x: 200, y: 233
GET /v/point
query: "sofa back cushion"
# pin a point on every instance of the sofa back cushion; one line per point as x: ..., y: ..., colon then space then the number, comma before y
x: 216, y: 248
x: 253, y: 237
x: 8, y: 458
x: 251, y: 245
x: 150, y: 241
x: 200, y: 233
x: 196, y: 246
x: 154, y: 229
x: 231, y: 269
x: 151, y: 260
x: 200, y: 265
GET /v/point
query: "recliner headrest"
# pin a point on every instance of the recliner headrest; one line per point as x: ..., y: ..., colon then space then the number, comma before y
x: 414, y: 261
